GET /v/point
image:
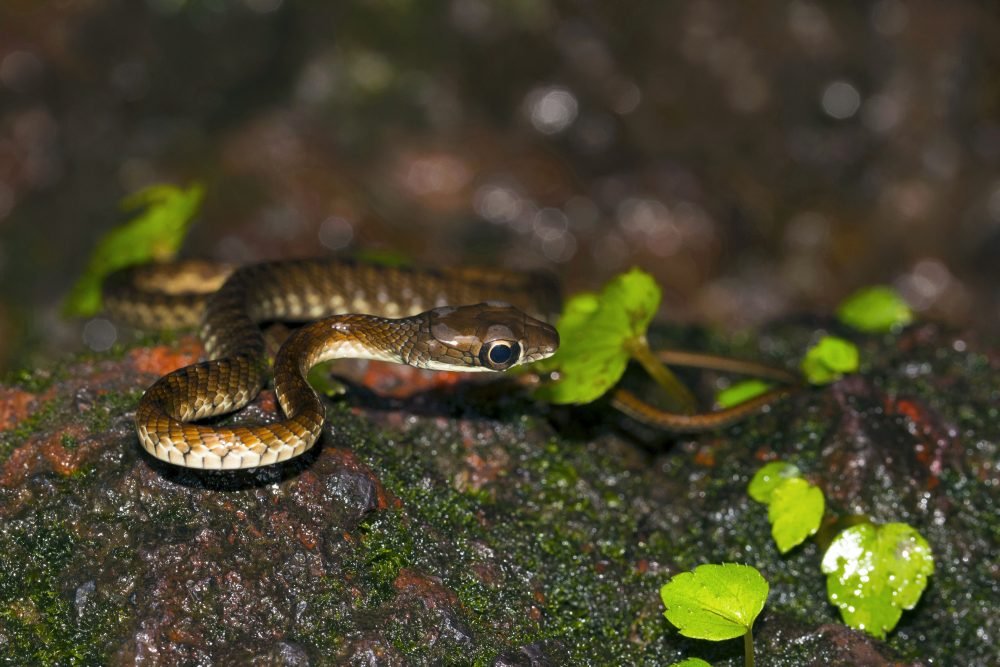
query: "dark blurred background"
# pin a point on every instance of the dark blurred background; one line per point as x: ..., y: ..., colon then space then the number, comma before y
x: 760, y: 159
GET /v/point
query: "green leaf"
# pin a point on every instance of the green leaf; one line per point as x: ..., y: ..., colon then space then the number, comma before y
x: 741, y: 392
x: 154, y: 234
x: 875, y: 309
x: 829, y: 359
x: 385, y: 257
x: 795, y: 512
x: 594, y: 331
x: 715, y: 602
x: 691, y: 662
x: 875, y: 572
x: 769, y: 478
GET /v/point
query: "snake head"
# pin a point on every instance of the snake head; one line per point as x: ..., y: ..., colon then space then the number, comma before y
x: 490, y: 336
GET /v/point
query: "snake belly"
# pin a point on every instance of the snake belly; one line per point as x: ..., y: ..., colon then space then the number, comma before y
x: 391, y: 314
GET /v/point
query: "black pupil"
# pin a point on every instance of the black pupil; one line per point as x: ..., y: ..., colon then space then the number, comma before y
x: 501, y: 354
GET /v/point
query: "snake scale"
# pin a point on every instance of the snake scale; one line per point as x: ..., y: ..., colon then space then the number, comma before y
x: 390, y: 314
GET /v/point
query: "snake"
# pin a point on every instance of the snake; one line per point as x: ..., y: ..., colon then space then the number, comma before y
x: 457, y: 320
x: 462, y: 319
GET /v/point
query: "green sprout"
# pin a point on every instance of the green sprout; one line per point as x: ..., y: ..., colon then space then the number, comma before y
x: 164, y: 214
x: 794, y: 506
x: 795, y: 513
x: 768, y: 478
x: 691, y: 662
x: 875, y: 572
x: 875, y: 310
x: 716, y: 602
x: 600, y: 333
x: 829, y: 359
x: 741, y: 392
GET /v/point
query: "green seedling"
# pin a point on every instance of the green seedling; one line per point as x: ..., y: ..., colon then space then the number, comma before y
x: 741, y: 392
x: 716, y: 602
x: 875, y: 310
x: 599, y: 334
x: 873, y: 572
x: 795, y: 513
x: 691, y: 662
x: 794, y: 506
x: 829, y: 360
x: 769, y: 477
x: 163, y: 215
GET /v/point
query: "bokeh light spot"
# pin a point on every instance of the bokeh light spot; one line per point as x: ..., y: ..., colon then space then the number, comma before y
x: 841, y: 100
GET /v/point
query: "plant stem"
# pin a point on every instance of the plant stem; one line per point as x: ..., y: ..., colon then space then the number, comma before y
x: 679, y: 395
x: 748, y: 648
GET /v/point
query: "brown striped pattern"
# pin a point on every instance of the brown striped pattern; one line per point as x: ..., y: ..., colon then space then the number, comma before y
x: 403, y: 315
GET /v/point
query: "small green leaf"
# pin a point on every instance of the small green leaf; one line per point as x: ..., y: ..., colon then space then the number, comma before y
x: 741, y: 392
x: 829, y: 359
x: 715, y: 602
x: 155, y: 234
x: 384, y: 257
x: 770, y: 477
x: 691, y: 662
x: 875, y: 309
x: 325, y: 383
x: 875, y: 572
x: 594, y: 331
x: 795, y: 512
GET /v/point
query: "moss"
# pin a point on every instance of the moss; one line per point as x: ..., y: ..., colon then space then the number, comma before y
x: 109, y: 405
x: 584, y: 584
x: 41, y: 624
x: 566, y: 548
x: 35, y: 380
x: 387, y: 547
x: 45, y: 415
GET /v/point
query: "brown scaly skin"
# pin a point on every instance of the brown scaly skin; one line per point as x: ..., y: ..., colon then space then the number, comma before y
x: 482, y: 337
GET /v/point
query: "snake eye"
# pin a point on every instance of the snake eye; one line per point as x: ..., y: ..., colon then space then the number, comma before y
x: 499, y: 355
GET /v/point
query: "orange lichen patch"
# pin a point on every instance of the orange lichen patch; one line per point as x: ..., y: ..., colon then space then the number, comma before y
x: 933, y: 441
x: 46, y: 453
x: 481, y: 471
x: 908, y: 408
x: 487, y: 573
x: 15, y: 405
x: 163, y: 359
x: 705, y: 456
x: 764, y: 454
x: 307, y: 537
x: 267, y: 401
x: 427, y: 588
x: 65, y: 461
x: 399, y: 381
x: 180, y: 635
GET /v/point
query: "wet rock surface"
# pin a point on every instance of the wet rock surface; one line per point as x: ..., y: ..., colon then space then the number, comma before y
x: 467, y: 524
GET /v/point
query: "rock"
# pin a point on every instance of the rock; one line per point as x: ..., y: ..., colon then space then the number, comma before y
x: 471, y: 525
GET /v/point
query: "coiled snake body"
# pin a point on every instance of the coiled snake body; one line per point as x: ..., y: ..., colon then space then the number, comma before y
x: 404, y: 316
